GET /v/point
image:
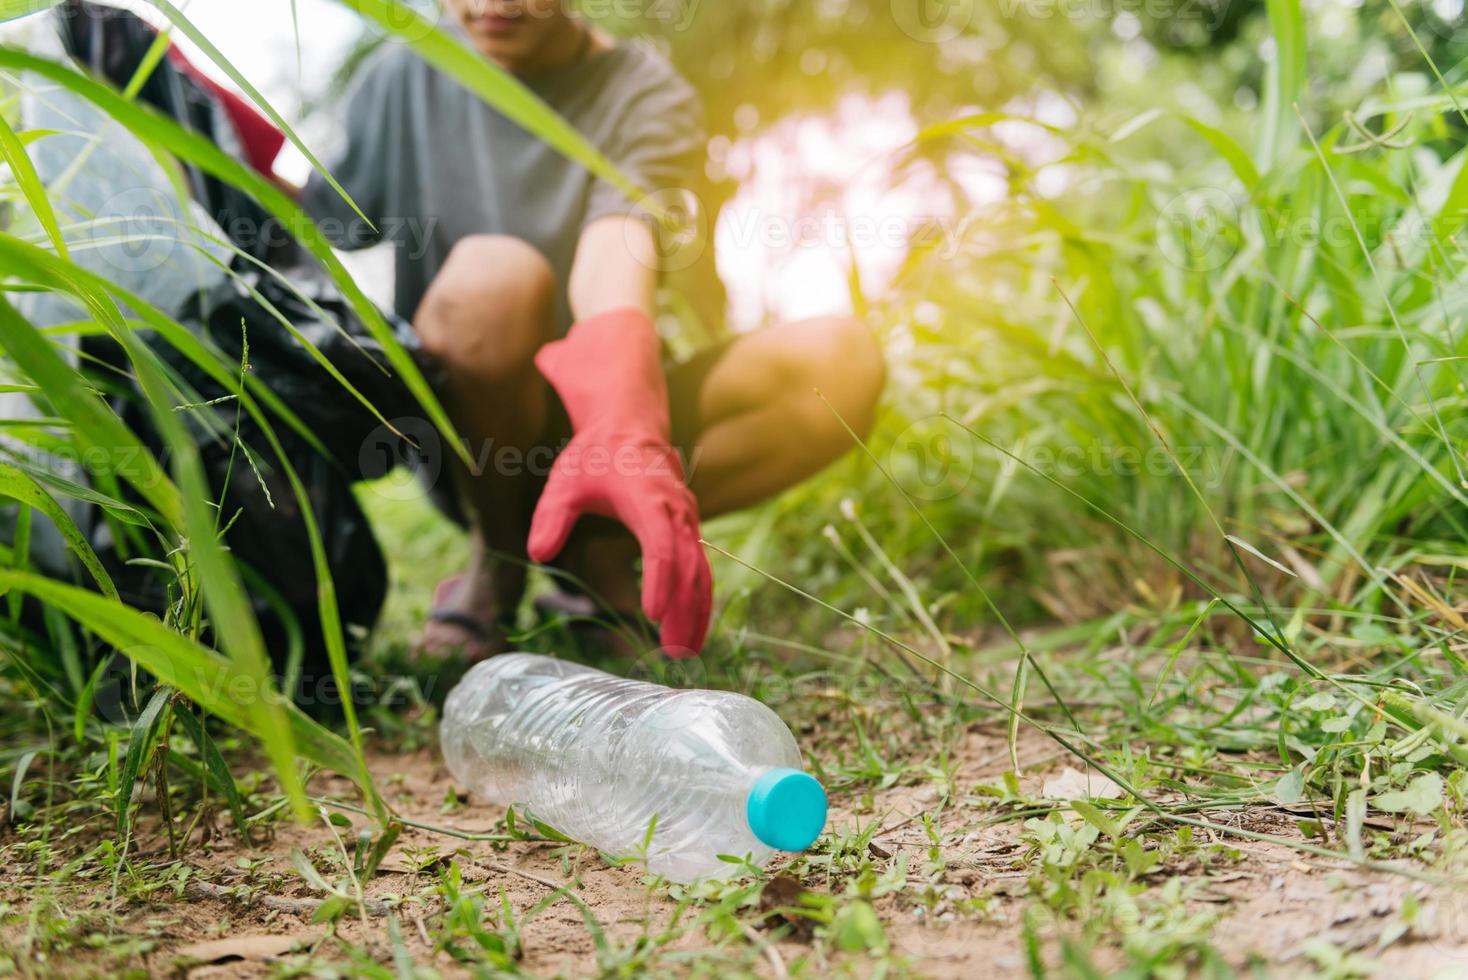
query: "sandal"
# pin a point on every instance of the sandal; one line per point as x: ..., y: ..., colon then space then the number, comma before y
x: 483, y: 638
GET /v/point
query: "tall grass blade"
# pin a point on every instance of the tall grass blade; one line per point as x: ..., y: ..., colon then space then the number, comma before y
x: 1284, y: 83
x: 186, y: 27
x: 216, y: 769
x: 11, y: 9
x: 1431, y: 64
x: 1151, y: 545
x: 1176, y: 461
x: 139, y: 746
x: 96, y: 425
x: 19, y: 485
x: 1386, y: 298
x: 210, y: 568
x: 44, y: 268
x: 23, y: 172
x: 209, y: 680
x: 37, y: 261
x: 1027, y: 661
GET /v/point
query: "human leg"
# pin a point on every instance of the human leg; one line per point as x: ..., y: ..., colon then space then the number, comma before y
x: 484, y: 317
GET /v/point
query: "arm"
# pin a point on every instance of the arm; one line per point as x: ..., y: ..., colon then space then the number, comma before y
x: 609, y: 374
x: 615, y: 268
x: 620, y: 464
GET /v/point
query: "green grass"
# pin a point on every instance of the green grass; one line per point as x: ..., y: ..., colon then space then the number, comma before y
x: 1179, y: 501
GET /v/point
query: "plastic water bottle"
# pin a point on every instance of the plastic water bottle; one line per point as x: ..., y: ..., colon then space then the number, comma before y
x: 603, y: 760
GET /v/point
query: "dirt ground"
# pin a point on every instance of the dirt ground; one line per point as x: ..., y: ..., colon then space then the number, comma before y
x: 243, y: 912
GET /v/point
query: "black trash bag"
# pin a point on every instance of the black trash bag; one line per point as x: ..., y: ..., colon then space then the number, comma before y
x: 265, y: 528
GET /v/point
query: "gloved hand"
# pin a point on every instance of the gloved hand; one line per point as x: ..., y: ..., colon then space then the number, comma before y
x: 620, y: 464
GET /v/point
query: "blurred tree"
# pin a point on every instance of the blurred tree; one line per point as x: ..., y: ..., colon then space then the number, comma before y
x: 759, y: 61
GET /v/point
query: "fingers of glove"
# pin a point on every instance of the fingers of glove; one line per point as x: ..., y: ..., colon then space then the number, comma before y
x: 654, y: 528
x: 685, y: 625
x: 556, y: 514
x: 703, y: 595
x: 548, y: 358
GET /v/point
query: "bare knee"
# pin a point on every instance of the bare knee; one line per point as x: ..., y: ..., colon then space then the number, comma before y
x: 490, y: 308
x: 842, y: 359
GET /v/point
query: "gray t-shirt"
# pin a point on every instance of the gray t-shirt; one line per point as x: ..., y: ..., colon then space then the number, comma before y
x: 430, y: 163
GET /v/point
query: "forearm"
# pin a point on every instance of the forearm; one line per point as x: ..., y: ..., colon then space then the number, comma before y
x: 615, y: 269
x: 612, y: 291
x: 608, y: 371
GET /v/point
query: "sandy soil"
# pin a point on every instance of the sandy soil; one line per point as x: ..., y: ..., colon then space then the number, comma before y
x: 229, y: 920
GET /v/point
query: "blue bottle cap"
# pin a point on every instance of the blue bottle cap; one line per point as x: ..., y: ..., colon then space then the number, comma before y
x: 786, y: 809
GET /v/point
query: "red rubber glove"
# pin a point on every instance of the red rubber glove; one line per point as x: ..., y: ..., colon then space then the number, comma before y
x: 620, y: 464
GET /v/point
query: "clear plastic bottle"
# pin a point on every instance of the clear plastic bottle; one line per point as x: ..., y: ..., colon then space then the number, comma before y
x: 598, y: 757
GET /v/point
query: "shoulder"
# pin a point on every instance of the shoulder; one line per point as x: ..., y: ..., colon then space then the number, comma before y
x: 649, y: 81
x: 387, y: 69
